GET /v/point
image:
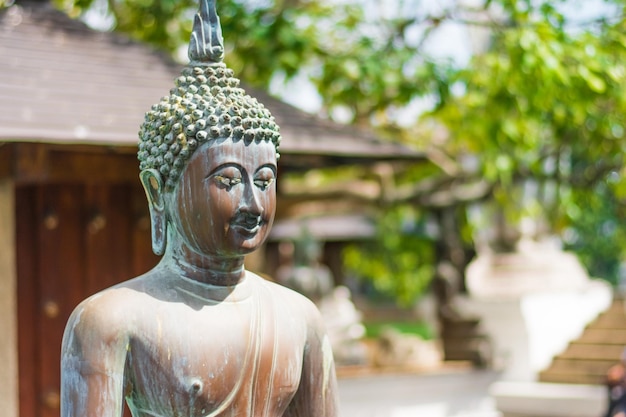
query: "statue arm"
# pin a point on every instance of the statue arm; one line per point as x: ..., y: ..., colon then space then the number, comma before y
x: 93, y: 357
x: 317, y: 393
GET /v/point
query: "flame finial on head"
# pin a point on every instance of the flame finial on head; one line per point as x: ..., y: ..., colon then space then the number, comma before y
x: 206, y: 45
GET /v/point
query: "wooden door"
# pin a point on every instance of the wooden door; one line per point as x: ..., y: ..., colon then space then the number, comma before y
x: 72, y: 241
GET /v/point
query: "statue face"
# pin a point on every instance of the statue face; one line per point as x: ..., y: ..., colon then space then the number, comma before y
x: 225, y: 200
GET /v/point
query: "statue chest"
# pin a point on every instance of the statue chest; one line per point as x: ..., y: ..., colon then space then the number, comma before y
x: 226, y: 359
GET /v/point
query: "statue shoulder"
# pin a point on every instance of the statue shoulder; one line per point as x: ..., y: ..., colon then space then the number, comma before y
x: 93, y: 353
x: 279, y: 290
x: 100, y: 316
x: 297, y: 303
x: 111, y: 306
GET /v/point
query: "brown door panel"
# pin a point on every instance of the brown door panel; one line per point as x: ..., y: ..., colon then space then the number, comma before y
x: 73, y: 240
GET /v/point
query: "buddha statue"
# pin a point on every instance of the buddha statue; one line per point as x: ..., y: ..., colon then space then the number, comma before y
x: 198, y: 335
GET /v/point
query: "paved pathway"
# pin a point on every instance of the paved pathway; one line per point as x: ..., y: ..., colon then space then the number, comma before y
x: 444, y: 394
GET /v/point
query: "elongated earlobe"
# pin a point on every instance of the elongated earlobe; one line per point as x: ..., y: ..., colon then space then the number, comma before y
x: 153, y: 185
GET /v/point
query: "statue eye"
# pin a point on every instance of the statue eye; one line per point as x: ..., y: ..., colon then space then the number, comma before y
x: 226, y: 176
x: 264, y: 177
x: 227, y: 182
x: 263, y: 183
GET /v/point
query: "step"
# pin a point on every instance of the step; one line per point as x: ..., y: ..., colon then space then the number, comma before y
x: 459, y: 331
x: 604, y: 336
x: 609, y: 321
x: 466, y: 340
x: 478, y: 353
x: 576, y: 371
x: 563, y: 365
x: 548, y: 400
x: 617, y: 307
x: 572, y: 378
x: 461, y: 324
x: 594, y: 351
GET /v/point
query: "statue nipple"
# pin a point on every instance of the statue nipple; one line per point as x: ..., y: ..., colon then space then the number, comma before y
x: 196, y: 386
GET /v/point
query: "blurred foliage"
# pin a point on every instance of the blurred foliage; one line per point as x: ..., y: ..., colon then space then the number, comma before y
x: 597, y: 231
x: 543, y: 111
x: 337, y: 43
x: 291, y: 25
x: 399, y: 260
x: 373, y: 330
x: 532, y: 125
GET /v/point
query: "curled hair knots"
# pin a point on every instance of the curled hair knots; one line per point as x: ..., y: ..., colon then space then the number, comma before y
x: 205, y: 104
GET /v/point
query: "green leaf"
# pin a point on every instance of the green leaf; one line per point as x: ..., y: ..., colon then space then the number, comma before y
x: 594, y: 82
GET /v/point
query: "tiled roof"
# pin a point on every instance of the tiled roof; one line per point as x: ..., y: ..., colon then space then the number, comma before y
x: 62, y: 82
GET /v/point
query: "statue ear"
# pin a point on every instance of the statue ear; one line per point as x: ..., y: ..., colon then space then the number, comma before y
x: 153, y: 185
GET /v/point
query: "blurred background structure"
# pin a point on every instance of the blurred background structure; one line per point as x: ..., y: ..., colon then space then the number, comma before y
x: 458, y: 166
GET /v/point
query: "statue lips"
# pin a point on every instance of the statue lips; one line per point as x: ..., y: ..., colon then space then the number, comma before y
x: 247, y: 225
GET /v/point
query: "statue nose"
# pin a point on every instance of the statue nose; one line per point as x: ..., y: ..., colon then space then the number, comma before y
x: 251, y: 201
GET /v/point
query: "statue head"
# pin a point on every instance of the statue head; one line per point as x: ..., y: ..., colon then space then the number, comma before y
x: 207, y: 126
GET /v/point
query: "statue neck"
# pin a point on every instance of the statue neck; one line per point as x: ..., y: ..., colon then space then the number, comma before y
x: 208, y: 269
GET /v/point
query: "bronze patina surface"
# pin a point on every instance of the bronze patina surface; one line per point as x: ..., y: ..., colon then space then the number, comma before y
x: 199, y: 335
